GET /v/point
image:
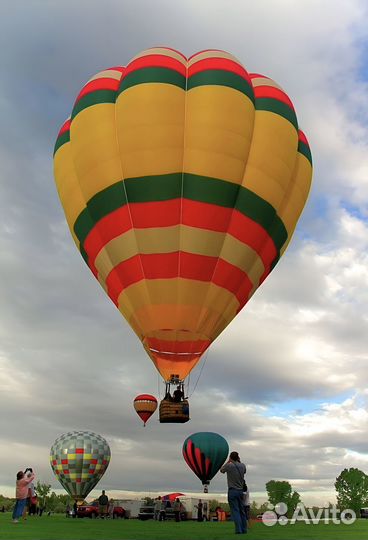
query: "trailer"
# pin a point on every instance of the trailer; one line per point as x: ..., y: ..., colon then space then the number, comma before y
x: 131, y: 506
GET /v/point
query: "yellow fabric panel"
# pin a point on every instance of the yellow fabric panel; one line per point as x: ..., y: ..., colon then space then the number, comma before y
x: 98, y: 466
x: 71, y: 456
x: 146, y: 405
x: 295, y: 201
x: 73, y: 475
x: 160, y: 291
x: 95, y: 149
x: 85, y: 476
x: 150, y: 129
x: 87, y: 456
x: 59, y: 467
x: 158, y: 316
x: 272, y: 157
x: 212, y: 53
x: 177, y: 335
x: 168, y: 367
x: 67, y: 185
x: 218, y: 132
x: 163, y: 51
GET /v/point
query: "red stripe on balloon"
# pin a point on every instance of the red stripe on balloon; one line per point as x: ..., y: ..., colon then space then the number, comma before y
x: 265, y: 91
x: 208, y: 467
x: 65, y: 127
x: 103, y: 83
x: 156, y: 60
x: 166, y: 266
x: 224, y: 64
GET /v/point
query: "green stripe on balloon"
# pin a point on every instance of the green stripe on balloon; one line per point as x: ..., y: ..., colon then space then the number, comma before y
x: 220, y: 77
x: 304, y: 149
x: 277, y: 107
x: 168, y: 187
x: 152, y: 75
x: 93, y: 98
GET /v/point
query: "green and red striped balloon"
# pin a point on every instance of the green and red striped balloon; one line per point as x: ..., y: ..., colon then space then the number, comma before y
x: 205, y: 452
x: 182, y: 181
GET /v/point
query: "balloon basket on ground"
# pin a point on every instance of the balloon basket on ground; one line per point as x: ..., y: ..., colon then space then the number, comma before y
x: 172, y: 412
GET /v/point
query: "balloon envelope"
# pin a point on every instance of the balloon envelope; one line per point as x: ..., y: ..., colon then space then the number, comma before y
x: 182, y: 181
x: 205, y: 452
x: 145, y: 405
x: 79, y: 459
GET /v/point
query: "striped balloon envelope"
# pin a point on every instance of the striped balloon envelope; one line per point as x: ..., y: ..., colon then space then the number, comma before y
x: 205, y: 453
x: 79, y: 459
x: 182, y: 181
x: 145, y: 405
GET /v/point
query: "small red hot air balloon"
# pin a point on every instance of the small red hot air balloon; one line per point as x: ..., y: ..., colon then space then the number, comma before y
x: 145, y: 405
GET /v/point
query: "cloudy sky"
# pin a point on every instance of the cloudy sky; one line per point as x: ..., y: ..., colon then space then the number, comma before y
x: 286, y: 384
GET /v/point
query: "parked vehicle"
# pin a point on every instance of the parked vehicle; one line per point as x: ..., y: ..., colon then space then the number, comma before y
x: 146, y: 512
x: 91, y: 511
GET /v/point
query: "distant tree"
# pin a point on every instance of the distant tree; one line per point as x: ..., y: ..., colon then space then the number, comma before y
x: 42, y: 491
x: 280, y: 491
x: 213, y: 504
x: 352, y: 490
x: 7, y: 503
x: 257, y: 509
x: 149, y: 501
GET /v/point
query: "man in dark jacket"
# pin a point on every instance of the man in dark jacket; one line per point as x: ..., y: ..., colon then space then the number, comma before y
x: 103, y: 502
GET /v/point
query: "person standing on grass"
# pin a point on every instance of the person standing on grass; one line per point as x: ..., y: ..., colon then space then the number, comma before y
x: 199, y: 507
x: 21, y: 493
x: 157, y: 508
x: 103, y: 502
x: 111, y: 508
x: 235, y: 471
x: 177, y: 509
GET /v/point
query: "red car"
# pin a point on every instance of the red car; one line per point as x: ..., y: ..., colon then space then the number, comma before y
x: 91, y: 511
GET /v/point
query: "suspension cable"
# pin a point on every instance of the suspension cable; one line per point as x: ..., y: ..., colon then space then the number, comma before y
x: 200, y: 373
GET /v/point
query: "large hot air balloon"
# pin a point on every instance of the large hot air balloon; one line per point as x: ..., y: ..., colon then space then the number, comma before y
x: 182, y: 181
x: 145, y: 405
x: 79, y: 459
x: 205, y: 453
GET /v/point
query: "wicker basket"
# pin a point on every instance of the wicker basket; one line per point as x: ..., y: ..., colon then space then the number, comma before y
x: 174, y: 412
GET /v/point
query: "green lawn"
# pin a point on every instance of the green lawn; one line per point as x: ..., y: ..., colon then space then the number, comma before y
x: 61, y: 528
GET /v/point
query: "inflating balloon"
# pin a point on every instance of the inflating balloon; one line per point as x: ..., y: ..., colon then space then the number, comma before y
x: 205, y: 453
x: 145, y: 405
x: 182, y: 181
x: 79, y: 459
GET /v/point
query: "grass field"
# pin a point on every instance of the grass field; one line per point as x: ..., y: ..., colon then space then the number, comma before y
x: 61, y: 528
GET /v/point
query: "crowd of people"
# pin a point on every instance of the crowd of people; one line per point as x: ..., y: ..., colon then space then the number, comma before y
x: 162, y: 507
x: 238, y: 498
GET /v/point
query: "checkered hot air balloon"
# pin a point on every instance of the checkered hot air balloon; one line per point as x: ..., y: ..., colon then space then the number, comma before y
x: 79, y: 459
x: 182, y: 181
x: 205, y: 452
